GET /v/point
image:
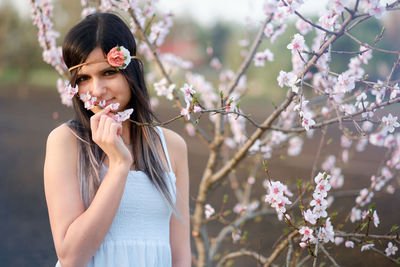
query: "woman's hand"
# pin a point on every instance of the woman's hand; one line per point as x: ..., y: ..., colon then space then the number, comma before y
x: 106, y: 133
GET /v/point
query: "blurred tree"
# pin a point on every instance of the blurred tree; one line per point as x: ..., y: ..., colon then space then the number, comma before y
x: 19, y: 49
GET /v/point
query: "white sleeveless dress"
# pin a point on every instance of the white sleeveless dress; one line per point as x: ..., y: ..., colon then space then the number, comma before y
x: 139, y: 234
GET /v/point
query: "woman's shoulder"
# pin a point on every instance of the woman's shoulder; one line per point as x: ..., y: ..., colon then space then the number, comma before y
x: 62, y: 136
x: 177, y: 148
x: 175, y: 142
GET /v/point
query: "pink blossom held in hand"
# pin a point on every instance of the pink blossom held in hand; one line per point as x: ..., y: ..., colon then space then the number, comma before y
x: 91, y: 103
x: 114, y: 106
x: 123, y: 116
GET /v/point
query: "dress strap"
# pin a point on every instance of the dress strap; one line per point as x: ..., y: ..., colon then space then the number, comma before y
x: 164, y: 144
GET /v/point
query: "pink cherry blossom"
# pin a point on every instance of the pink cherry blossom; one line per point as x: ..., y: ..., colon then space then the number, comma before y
x: 259, y: 58
x: 91, y: 103
x: 162, y: 89
x: 287, y: 79
x: 269, y: 30
x: 295, y: 146
x: 236, y: 235
x: 114, y: 106
x: 62, y: 86
x: 277, y: 196
x: 306, y: 120
x: 85, y: 97
x: 394, y: 91
x: 349, y: 244
x: 345, y: 84
x: 297, y: 44
x: 375, y: 218
x: 185, y: 112
x: 208, y: 211
x: 390, y: 122
x: 303, y: 26
x: 391, y: 250
x: 307, y: 233
x: 390, y: 189
x: 303, y: 244
x: 338, y: 240
x: 215, y: 63
x: 269, y: 7
x: 339, y: 5
x: 309, y: 216
x: 102, y: 103
x: 367, y: 247
x: 190, y: 129
x: 326, y: 234
x: 123, y: 115
x: 251, y: 180
x: 188, y: 92
x: 329, y: 163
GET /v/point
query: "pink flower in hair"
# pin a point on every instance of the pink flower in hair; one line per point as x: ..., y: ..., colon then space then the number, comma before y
x: 119, y: 57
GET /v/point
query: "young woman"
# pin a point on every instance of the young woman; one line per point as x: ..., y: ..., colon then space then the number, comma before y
x: 117, y: 193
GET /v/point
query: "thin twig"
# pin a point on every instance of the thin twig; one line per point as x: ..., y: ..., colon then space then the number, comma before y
x: 290, y: 252
x: 328, y: 255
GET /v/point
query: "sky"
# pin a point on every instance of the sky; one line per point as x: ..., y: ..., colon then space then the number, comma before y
x: 206, y: 12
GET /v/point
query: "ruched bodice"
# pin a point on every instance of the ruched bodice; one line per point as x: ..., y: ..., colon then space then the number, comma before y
x: 139, y: 234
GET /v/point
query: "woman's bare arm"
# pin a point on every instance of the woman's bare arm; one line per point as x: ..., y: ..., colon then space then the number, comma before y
x: 180, y: 229
x: 78, y: 233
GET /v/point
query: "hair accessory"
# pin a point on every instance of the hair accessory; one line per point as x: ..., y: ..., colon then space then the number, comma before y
x: 118, y: 57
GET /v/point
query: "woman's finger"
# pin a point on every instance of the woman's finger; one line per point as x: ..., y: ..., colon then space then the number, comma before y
x: 95, y: 119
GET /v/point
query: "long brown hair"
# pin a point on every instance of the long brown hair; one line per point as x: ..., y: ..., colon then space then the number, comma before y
x: 107, y: 30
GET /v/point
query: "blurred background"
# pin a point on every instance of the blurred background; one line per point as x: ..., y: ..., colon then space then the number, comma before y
x: 30, y: 108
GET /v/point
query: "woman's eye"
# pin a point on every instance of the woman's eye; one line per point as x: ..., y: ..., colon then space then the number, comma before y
x: 80, y: 79
x: 109, y: 72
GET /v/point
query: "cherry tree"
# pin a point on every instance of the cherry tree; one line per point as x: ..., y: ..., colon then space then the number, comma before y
x: 336, y: 99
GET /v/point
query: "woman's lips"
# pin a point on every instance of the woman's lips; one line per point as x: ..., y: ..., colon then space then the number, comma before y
x: 108, y: 102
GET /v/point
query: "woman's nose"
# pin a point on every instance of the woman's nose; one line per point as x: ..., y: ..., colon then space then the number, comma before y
x: 98, y: 88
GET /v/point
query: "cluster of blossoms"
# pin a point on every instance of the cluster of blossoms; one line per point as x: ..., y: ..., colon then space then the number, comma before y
x: 66, y: 91
x: 188, y: 94
x: 320, y: 204
x: 91, y: 101
x: 277, y: 197
x: 260, y: 57
x: 41, y: 16
x: 162, y: 89
x: 337, y: 179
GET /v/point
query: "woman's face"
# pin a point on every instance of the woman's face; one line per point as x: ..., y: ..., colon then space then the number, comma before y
x: 103, y: 81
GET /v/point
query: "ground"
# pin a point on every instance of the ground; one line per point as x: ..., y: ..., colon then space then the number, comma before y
x: 26, y: 120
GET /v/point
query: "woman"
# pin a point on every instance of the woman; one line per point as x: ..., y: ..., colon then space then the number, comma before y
x: 117, y: 193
